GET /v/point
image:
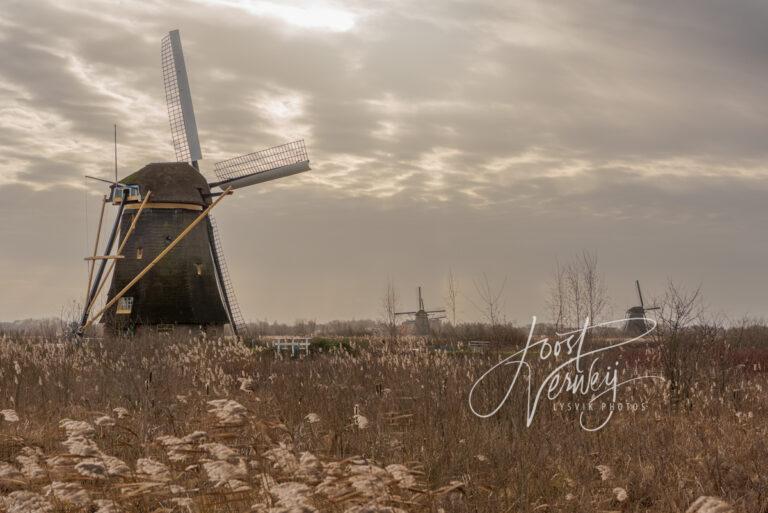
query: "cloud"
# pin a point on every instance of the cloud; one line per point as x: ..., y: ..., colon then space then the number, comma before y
x: 308, y: 14
x: 441, y: 133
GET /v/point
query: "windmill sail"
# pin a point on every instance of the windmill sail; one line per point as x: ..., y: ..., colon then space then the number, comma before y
x: 262, y: 166
x: 639, y: 294
x: 636, y: 319
x: 422, y: 317
x: 225, y: 282
x: 179, y: 100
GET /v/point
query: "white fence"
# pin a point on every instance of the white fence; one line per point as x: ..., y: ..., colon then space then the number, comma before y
x: 295, y: 345
x: 478, y: 346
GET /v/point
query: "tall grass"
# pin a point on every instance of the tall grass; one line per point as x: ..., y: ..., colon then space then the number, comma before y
x: 179, y: 423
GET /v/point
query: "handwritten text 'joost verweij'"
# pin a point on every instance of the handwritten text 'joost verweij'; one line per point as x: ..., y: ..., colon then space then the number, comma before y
x: 578, y: 375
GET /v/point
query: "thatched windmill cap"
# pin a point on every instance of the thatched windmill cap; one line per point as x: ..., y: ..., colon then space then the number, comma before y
x: 171, y: 182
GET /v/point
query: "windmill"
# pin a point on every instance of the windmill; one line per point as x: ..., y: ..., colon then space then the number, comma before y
x: 637, y: 323
x: 169, y: 269
x: 422, y: 316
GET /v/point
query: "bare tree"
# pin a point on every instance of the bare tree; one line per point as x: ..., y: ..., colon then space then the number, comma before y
x: 575, y: 295
x: 558, y: 300
x: 389, y: 305
x: 577, y: 291
x: 679, y: 311
x: 452, y: 295
x: 594, y: 293
x: 491, y: 300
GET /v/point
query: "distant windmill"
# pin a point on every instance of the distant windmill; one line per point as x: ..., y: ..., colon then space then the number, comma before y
x: 169, y: 269
x: 422, y: 316
x: 637, y: 323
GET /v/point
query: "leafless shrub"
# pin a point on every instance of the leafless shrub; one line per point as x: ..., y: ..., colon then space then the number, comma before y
x: 679, y: 310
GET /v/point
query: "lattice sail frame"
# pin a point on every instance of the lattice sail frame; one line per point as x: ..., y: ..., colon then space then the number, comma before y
x: 179, y: 100
x: 288, y: 154
x: 225, y: 281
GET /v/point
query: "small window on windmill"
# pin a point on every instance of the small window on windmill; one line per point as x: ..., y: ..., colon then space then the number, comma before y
x: 124, y: 305
x: 132, y: 193
x: 139, y: 253
x: 199, y: 269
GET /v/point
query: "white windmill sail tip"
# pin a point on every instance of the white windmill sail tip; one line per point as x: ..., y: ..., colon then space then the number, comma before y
x: 261, y: 166
x: 178, y: 97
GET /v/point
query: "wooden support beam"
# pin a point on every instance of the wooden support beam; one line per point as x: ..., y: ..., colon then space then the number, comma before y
x: 121, y: 246
x: 133, y: 223
x: 104, y: 257
x: 95, y: 248
x: 159, y: 257
x: 100, y: 272
x: 175, y: 206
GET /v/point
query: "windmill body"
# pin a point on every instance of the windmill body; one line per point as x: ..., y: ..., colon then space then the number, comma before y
x: 422, y: 317
x: 169, y: 269
x: 637, y: 323
x: 421, y: 324
x: 182, y: 289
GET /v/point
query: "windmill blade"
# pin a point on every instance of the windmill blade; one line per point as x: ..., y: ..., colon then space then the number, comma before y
x: 406, y: 313
x: 179, y: 100
x: 262, y: 166
x: 639, y: 294
x: 223, y: 280
x: 435, y: 311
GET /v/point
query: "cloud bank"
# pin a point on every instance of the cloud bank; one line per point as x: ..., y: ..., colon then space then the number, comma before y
x: 483, y: 137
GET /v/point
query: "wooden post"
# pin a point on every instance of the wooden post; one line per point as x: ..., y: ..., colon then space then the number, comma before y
x: 120, y: 248
x: 95, y: 248
x: 159, y: 257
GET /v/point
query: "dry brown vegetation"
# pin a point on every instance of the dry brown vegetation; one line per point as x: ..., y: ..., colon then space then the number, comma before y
x: 188, y: 424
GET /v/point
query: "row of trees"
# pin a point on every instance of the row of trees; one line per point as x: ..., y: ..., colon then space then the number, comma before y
x: 692, y: 345
x: 577, y: 290
x: 489, y: 303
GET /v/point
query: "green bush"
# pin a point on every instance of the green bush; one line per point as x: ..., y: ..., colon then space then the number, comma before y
x: 328, y: 345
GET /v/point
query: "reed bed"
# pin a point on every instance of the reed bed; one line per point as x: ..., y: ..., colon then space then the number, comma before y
x: 189, y: 424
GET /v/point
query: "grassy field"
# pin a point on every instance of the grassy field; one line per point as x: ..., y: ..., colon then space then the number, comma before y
x: 183, y: 424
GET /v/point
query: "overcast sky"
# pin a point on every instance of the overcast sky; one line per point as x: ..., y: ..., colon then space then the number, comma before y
x: 483, y: 136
